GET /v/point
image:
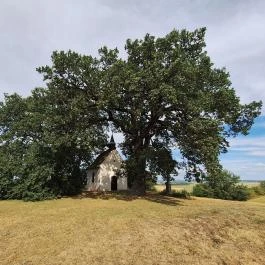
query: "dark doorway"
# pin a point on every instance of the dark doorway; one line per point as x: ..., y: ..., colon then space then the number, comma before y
x: 114, y: 183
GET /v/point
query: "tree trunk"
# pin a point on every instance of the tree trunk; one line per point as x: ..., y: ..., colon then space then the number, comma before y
x: 168, y: 186
x: 138, y: 186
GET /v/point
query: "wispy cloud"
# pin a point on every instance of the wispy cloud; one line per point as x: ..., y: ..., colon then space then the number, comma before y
x: 260, y: 153
x: 245, y: 168
x: 252, y: 146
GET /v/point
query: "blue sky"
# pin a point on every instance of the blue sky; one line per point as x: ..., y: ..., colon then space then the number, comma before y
x: 246, y: 155
x: 30, y: 30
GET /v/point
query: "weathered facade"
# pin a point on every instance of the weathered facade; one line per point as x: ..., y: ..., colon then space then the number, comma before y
x: 102, y: 174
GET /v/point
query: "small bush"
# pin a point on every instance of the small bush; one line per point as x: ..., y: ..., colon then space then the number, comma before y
x: 262, y: 185
x: 252, y: 193
x: 202, y: 190
x: 34, y: 196
x: 241, y: 193
x: 183, y: 194
x: 237, y: 192
x: 257, y: 190
x: 222, y: 186
x: 150, y: 185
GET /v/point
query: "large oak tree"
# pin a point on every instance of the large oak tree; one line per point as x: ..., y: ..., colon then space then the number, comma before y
x: 165, y: 92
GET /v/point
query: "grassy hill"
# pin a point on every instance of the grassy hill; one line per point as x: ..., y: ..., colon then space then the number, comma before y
x: 123, y: 230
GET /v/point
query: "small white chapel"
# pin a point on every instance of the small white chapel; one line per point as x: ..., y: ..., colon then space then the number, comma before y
x: 102, y: 174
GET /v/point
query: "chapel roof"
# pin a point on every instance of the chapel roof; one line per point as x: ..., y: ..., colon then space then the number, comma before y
x: 100, y: 159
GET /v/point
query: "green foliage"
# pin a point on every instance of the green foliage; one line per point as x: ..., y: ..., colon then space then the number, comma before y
x: 44, y: 150
x: 150, y: 183
x: 262, y: 185
x: 223, y: 185
x: 166, y: 93
x: 240, y: 193
x: 183, y: 194
x: 161, y: 162
x: 168, y: 90
x: 258, y: 190
x: 203, y: 190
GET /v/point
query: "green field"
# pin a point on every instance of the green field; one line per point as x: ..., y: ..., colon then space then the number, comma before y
x: 126, y: 230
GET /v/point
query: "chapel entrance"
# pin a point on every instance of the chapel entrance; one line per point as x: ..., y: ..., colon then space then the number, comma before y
x: 114, y: 183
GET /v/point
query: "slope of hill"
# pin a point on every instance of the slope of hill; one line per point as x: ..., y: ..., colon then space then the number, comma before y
x: 122, y: 230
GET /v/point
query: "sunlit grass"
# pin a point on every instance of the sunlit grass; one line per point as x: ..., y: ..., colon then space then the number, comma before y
x: 260, y: 199
x: 189, y: 186
x: 124, y: 230
x: 176, y: 187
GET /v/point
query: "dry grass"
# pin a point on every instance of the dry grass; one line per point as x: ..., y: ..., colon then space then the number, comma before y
x: 251, y: 184
x: 260, y: 199
x: 176, y: 187
x: 189, y: 186
x: 151, y: 230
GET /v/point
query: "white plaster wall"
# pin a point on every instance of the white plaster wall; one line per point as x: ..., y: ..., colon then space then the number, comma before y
x: 122, y: 184
x: 93, y: 186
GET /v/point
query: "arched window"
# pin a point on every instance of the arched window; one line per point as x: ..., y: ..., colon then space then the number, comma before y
x: 93, y: 177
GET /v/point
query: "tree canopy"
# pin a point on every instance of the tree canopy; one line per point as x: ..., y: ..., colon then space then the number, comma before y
x: 46, y: 146
x: 165, y: 93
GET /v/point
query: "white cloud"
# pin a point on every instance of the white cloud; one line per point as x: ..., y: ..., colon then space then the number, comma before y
x: 31, y: 30
x: 240, y: 141
x: 245, y: 168
x: 261, y: 165
x: 250, y: 145
x: 260, y: 153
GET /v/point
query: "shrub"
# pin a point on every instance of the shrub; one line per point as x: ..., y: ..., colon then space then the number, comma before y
x: 37, y: 196
x: 183, y: 194
x: 222, y: 186
x: 150, y: 184
x: 252, y: 193
x: 262, y: 185
x: 202, y: 190
x: 241, y: 193
x: 258, y: 190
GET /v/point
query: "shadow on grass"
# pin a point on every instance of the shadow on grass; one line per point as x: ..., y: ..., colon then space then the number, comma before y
x: 167, y: 200
x: 127, y: 196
